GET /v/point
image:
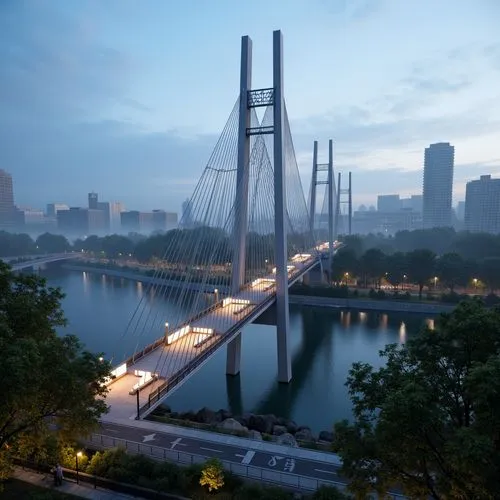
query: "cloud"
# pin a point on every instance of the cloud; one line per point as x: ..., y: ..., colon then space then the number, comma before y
x: 492, y: 53
x: 53, y: 68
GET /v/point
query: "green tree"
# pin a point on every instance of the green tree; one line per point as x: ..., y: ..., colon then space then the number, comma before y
x: 372, y: 265
x: 52, y: 243
x: 429, y: 421
x: 46, y: 378
x: 212, y: 474
x: 397, y: 268
x: 489, y: 272
x: 328, y: 493
x: 345, y: 261
x: 421, y: 265
x: 451, y: 270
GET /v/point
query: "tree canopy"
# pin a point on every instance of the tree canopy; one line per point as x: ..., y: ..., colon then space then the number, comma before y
x: 46, y: 378
x: 429, y: 420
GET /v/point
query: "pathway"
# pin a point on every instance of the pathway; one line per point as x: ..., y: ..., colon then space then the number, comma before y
x: 82, y: 490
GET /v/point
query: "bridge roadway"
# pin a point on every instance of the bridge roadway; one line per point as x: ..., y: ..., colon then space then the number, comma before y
x: 224, y: 320
x: 43, y: 259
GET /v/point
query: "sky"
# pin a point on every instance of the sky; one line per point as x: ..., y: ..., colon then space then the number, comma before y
x: 128, y: 97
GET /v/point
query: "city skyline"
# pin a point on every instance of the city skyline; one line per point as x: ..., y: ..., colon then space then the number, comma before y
x: 128, y: 116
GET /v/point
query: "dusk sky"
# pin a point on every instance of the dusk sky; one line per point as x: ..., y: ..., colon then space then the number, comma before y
x: 127, y: 98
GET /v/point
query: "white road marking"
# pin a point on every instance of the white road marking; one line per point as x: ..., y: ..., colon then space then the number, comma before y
x: 274, y: 461
x: 326, y: 471
x: 247, y: 457
x: 211, y: 449
x: 149, y: 437
x: 176, y: 442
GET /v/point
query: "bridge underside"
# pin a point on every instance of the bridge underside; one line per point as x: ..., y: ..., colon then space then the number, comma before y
x: 171, y: 364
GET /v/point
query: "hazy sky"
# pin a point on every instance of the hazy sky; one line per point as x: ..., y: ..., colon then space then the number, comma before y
x: 128, y: 97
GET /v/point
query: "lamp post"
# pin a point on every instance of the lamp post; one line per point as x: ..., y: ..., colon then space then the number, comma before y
x: 79, y: 454
x: 216, y: 294
x: 166, y: 332
x: 404, y: 280
x: 475, y: 285
x: 435, y: 282
x: 346, y: 275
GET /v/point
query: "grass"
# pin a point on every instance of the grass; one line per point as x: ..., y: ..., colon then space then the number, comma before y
x: 13, y: 489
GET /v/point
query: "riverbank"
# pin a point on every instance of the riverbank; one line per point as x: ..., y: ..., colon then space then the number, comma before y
x: 140, y: 277
x: 371, y: 305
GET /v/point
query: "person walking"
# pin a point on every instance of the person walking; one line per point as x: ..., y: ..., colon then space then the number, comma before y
x: 59, y: 475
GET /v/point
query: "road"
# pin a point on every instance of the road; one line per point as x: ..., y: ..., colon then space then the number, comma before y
x: 238, y: 455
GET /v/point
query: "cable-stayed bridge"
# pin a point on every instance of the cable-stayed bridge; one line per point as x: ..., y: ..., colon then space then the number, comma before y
x: 247, y: 234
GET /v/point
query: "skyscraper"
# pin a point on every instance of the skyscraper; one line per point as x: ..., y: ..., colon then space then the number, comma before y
x: 7, y: 209
x: 439, y: 161
x: 93, y: 200
x: 482, y: 205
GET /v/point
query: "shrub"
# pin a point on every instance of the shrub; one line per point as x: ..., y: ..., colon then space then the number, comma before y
x: 212, y: 475
x: 328, y: 493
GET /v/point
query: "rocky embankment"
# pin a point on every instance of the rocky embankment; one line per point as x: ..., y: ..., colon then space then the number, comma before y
x: 259, y: 427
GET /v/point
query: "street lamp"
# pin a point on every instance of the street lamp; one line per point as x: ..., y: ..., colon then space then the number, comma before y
x: 404, y: 280
x: 78, y: 455
x: 216, y: 293
x: 475, y: 283
x: 435, y: 281
x: 346, y: 277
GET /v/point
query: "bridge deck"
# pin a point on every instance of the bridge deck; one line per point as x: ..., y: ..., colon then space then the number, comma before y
x: 173, y: 363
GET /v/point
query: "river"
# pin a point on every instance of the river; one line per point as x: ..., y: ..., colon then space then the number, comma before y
x: 324, y: 343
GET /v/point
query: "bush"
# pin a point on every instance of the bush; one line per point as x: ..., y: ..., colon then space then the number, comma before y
x: 328, y: 493
x: 212, y: 475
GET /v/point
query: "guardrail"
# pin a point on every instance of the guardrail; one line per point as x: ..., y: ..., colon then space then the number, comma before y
x: 285, y: 479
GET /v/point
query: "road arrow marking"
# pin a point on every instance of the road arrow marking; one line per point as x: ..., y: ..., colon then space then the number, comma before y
x: 247, y: 458
x: 149, y: 437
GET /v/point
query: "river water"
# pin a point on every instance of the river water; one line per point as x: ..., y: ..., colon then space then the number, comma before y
x: 324, y: 343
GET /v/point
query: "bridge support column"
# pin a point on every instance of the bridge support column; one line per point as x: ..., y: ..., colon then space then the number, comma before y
x: 282, y: 316
x: 241, y: 205
x: 331, y: 192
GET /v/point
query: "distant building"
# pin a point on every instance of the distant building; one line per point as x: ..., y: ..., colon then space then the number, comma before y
x: 115, y: 209
x: 413, y: 203
x: 388, y: 203
x: 482, y: 205
x: 187, y: 215
x: 365, y: 222
x: 53, y: 208
x: 147, y: 222
x: 7, y: 208
x: 93, y: 200
x: 439, y: 160
x: 460, y: 210
x: 81, y: 221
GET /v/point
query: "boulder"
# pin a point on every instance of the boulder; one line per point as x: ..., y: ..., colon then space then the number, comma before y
x: 258, y: 423
x: 230, y: 424
x: 291, y: 427
x: 304, y: 434
x: 278, y: 430
x: 287, y: 440
x: 255, y: 435
x: 205, y: 416
x: 326, y: 436
x: 188, y: 415
x: 221, y: 415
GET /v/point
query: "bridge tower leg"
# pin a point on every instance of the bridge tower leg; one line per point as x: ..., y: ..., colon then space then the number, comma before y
x: 314, y: 182
x: 282, y: 314
x: 242, y: 180
x: 331, y: 194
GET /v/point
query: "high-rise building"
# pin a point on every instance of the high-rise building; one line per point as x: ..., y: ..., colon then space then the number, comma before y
x: 388, y: 203
x: 93, y: 200
x: 482, y: 205
x: 187, y: 216
x: 115, y: 209
x: 439, y: 161
x: 7, y: 209
x: 82, y: 222
x: 460, y: 210
x: 53, y: 208
x: 147, y: 222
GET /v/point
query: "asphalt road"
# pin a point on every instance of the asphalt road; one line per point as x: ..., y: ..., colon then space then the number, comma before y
x: 238, y: 455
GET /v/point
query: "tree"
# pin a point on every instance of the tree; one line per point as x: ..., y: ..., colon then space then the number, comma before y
x: 489, y: 271
x: 421, y: 267
x: 212, y: 474
x: 372, y: 264
x: 397, y: 268
x: 429, y: 421
x: 345, y: 261
x: 52, y: 243
x: 451, y: 270
x: 46, y: 378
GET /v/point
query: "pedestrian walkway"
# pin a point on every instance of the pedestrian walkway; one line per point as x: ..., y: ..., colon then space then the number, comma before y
x: 69, y: 487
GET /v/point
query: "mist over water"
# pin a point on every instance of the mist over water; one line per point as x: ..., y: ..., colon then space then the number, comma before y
x: 324, y: 344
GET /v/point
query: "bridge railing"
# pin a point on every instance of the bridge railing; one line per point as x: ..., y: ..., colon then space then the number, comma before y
x: 167, y: 386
